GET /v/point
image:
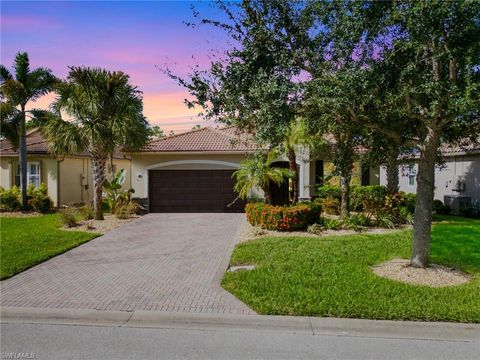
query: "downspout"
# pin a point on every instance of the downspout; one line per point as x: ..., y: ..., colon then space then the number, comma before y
x: 58, y: 181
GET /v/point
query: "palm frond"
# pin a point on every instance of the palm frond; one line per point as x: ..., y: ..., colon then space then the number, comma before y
x: 10, y: 119
x: 257, y: 172
x: 106, y: 105
x: 40, y: 82
x: 22, y: 67
x: 13, y: 91
x: 64, y: 137
x: 5, y: 74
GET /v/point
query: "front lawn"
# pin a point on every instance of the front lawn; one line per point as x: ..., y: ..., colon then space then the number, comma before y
x: 331, y: 276
x: 28, y: 241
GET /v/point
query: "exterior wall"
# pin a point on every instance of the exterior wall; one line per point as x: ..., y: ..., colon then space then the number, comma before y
x: 329, y: 169
x: 142, y: 163
x: 76, y: 179
x: 6, y: 177
x: 466, y: 166
x: 63, y: 177
x: 48, y: 173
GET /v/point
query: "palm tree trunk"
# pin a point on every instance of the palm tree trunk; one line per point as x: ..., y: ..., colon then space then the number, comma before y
x: 267, y: 193
x: 346, y: 170
x: 345, y: 191
x: 98, y: 169
x: 392, y: 173
x: 422, y: 226
x: 292, y: 165
x: 22, y: 157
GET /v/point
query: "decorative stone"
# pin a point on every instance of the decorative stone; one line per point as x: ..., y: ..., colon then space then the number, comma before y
x: 241, y: 268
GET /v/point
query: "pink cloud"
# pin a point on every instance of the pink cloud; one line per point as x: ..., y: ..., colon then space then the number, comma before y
x: 27, y: 23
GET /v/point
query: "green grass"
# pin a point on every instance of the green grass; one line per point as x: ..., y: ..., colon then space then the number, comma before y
x: 331, y: 276
x: 28, y: 241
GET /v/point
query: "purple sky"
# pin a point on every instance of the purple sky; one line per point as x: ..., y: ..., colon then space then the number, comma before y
x: 132, y: 36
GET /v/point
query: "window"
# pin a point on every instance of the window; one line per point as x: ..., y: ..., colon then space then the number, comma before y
x: 412, y: 174
x: 33, y: 174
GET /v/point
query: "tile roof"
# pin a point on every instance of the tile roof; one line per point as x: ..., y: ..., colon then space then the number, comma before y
x: 38, y: 145
x: 228, y: 139
x: 463, y: 146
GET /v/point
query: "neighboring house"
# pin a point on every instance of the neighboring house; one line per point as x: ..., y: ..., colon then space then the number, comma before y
x: 68, y: 178
x: 458, y: 176
x: 189, y: 172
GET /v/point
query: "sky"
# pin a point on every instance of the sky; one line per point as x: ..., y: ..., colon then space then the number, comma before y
x: 137, y: 37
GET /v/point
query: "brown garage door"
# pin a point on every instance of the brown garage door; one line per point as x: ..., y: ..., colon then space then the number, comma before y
x: 192, y: 191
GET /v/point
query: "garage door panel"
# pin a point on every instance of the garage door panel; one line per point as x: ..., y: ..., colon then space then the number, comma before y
x: 192, y: 191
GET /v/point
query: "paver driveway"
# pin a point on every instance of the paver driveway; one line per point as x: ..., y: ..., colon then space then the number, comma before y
x: 163, y: 262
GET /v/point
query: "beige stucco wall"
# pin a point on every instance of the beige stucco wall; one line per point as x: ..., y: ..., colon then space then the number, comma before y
x: 63, y: 176
x: 6, y: 172
x: 48, y: 173
x: 76, y: 179
x: 141, y: 163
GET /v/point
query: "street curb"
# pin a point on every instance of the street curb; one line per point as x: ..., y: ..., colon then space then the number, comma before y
x: 296, y: 324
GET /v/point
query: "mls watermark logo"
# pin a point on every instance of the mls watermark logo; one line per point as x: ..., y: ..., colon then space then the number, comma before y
x: 18, y: 355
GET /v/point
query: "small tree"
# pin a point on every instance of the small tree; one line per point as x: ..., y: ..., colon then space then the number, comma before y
x: 257, y: 172
x: 106, y: 115
x: 16, y: 92
x: 155, y: 132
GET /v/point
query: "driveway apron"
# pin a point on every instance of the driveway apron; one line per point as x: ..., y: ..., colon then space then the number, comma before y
x: 159, y: 262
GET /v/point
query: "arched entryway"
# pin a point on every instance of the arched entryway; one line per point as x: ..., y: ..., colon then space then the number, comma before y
x: 281, y: 193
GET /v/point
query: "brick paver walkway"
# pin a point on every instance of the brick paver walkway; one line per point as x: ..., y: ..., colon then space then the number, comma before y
x: 160, y: 262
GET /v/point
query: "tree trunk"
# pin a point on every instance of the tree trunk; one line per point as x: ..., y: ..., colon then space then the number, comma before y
x: 268, y: 194
x: 345, y: 190
x: 422, y: 225
x: 98, y: 169
x: 392, y: 173
x: 22, y: 157
x: 292, y: 165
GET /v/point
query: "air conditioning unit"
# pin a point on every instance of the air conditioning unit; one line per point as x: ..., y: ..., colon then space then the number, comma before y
x: 457, y: 203
x: 459, y: 184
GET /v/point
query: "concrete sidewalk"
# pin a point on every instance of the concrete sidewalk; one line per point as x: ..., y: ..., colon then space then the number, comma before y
x: 288, y: 324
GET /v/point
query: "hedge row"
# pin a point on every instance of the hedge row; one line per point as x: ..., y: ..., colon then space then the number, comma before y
x: 37, y: 199
x: 368, y: 198
x: 283, y: 218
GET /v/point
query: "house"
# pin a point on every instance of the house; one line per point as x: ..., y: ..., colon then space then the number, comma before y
x: 457, y: 178
x: 68, y: 178
x: 188, y: 172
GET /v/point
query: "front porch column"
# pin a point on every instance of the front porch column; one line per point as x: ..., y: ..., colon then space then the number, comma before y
x: 305, y: 186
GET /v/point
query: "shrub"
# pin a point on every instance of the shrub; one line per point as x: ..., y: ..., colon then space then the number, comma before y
x: 282, y: 218
x: 405, y: 216
x: 86, y: 212
x: 356, y: 221
x: 329, y: 191
x: 368, y: 198
x: 440, y: 208
x: 410, y: 202
x: 39, y: 199
x: 315, y: 229
x: 385, y: 220
x: 126, y: 211
x: 330, y: 205
x: 68, y: 217
x: 10, y: 199
x: 331, y: 224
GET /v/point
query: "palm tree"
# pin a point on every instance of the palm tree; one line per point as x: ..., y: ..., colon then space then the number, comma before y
x: 294, y: 137
x: 106, y: 113
x: 257, y: 172
x: 15, y: 93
